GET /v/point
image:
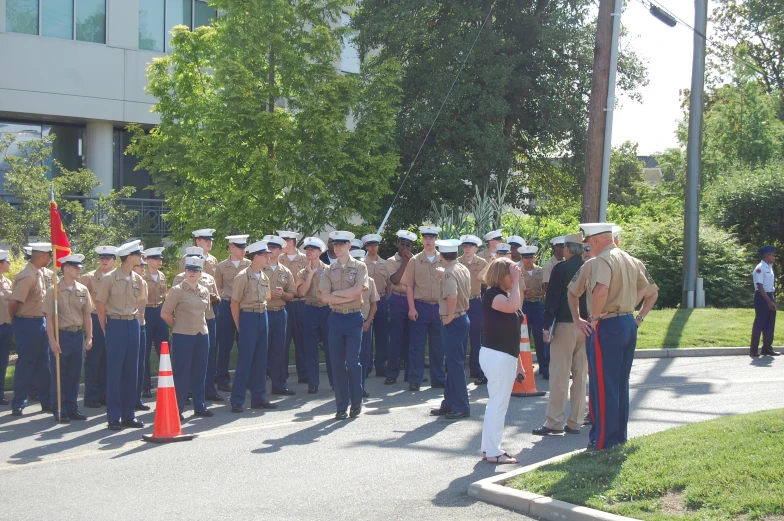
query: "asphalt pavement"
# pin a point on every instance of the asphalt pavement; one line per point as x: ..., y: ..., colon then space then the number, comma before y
x: 393, y: 462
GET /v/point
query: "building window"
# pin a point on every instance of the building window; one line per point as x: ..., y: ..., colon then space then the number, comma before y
x: 349, y: 56
x: 125, y: 173
x: 58, y: 18
x: 157, y: 18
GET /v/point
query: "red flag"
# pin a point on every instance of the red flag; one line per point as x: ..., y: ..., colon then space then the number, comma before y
x: 60, y: 245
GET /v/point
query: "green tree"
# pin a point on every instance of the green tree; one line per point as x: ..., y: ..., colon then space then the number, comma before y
x: 259, y: 130
x: 626, y: 175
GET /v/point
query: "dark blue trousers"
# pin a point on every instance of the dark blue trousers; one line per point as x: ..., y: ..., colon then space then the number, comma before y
x: 534, y: 312
x: 226, y: 333
x: 380, y: 328
x: 95, y: 365
x: 613, y: 344
x: 6, y: 334
x: 122, y: 360
x: 764, y: 323
x: 345, y: 342
x: 278, y: 355
x: 295, y: 311
x: 475, y: 335
x: 143, y: 362
x: 157, y: 333
x: 316, y: 329
x: 366, y: 353
x: 189, y: 368
x: 212, y: 359
x: 251, y: 370
x: 592, y: 387
x: 398, y: 335
x: 426, y: 331
x: 71, y: 343
x: 32, y: 366
x: 453, y: 336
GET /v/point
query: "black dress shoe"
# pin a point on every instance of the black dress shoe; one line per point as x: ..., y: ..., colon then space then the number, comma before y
x: 92, y: 405
x: 302, y: 380
x: 62, y: 418
x: 439, y: 412
x: 473, y: 375
x: 114, y: 426
x: 283, y: 392
x: 141, y: 407
x: 390, y: 381
x: 46, y: 408
x: 16, y: 412
x: 266, y: 404
x: 754, y: 355
x: 569, y: 430
x: 204, y: 414
x: 770, y: 353
x: 354, y: 412
x: 482, y: 380
x: 77, y: 416
x: 225, y: 388
x: 341, y: 415
x: 457, y: 415
x: 133, y: 424
x: 3, y: 401
x: 216, y: 398
x: 312, y: 390
x: 546, y: 431
x: 587, y: 420
x: 438, y: 386
x: 365, y: 394
x: 413, y: 387
x: 236, y: 408
x: 146, y: 393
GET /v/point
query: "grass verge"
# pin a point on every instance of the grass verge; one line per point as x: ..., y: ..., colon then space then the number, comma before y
x: 727, y: 468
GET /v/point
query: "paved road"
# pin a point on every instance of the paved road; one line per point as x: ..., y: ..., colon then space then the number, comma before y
x: 394, y: 462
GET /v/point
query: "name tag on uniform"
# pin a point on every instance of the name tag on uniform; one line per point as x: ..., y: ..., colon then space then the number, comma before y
x: 351, y: 274
x: 283, y: 277
x: 135, y: 289
x: 80, y: 295
x: 204, y: 296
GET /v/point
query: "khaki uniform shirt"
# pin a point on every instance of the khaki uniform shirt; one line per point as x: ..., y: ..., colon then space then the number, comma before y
x: 142, y: 304
x: 579, y: 283
x: 652, y: 286
x: 156, y: 290
x: 547, y: 269
x: 29, y: 289
x: 48, y: 276
x: 486, y: 255
x: 280, y: 278
x: 377, y: 270
x: 392, y: 265
x: 369, y: 295
x: 93, y: 281
x: 224, y: 276
x: 120, y: 295
x: 208, y: 282
x: 210, y: 263
x: 338, y: 277
x: 312, y: 296
x: 475, y: 268
x: 534, y: 281
x: 421, y: 276
x: 622, y: 275
x: 189, y: 307
x: 251, y: 293
x: 5, y: 296
x: 72, y: 304
x: 455, y: 281
x: 299, y: 263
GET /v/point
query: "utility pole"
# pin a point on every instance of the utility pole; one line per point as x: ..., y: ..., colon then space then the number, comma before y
x: 610, y: 109
x: 691, y: 220
x: 596, y: 113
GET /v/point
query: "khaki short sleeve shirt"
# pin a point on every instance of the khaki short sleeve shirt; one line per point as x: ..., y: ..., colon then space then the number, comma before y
x: 206, y: 280
x: 623, y: 277
x: 142, y: 304
x: 312, y: 296
x: 280, y: 278
x: 295, y: 266
x: 579, y: 283
x: 120, y: 295
x: 475, y: 268
x: 210, y: 263
x: 93, y: 281
x: 377, y: 270
x: 189, y: 307
x: 455, y: 281
x: 29, y: 290
x: 421, y: 276
x: 339, y: 276
x: 547, y: 269
x: 392, y: 265
x: 534, y: 281
x: 250, y: 292
x: 72, y: 304
x: 5, y: 296
x: 369, y: 295
x: 224, y: 276
x: 156, y: 289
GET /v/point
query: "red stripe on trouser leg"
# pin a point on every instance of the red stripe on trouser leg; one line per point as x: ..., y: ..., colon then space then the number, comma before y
x: 600, y: 386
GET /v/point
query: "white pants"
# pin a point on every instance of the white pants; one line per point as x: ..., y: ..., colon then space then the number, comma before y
x: 500, y: 370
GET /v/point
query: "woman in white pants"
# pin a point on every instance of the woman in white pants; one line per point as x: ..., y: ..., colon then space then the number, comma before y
x: 501, y: 319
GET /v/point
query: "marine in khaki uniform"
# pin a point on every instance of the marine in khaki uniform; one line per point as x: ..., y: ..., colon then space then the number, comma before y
x: 399, y: 332
x: 493, y: 239
x: 203, y: 239
x: 250, y: 294
x: 617, y: 284
x: 533, y: 306
x: 423, y: 292
x: 476, y: 266
x: 117, y: 302
x: 453, y: 306
x: 370, y: 299
x: 341, y: 287
x: 295, y: 261
x: 316, y: 315
x: 284, y: 288
x: 377, y: 270
x: 226, y: 331
x: 157, y: 331
x: 140, y: 312
x: 74, y: 306
x: 651, y: 294
x: 185, y: 309
x: 6, y: 330
x: 558, y: 256
x: 29, y: 324
x: 95, y: 359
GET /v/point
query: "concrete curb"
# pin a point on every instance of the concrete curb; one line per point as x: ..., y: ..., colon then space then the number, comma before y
x: 492, y: 490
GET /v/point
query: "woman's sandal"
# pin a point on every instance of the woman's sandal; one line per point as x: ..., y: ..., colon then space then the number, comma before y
x: 502, y: 459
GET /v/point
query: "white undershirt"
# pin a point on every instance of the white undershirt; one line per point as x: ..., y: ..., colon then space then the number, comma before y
x: 342, y: 265
x: 292, y: 257
x: 531, y: 273
x: 274, y: 268
x: 70, y: 288
x: 236, y: 263
x: 257, y: 275
x: 154, y: 277
x: 128, y: 278
x: 431, y: 259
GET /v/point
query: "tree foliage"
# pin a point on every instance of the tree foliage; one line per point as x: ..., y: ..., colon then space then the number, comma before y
x: 259, y: 130
x: 626, y: 175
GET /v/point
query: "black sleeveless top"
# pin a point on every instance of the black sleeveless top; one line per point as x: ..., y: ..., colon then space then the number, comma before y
x: 500, y: 331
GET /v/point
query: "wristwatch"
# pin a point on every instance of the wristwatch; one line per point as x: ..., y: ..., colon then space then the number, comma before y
x: 640, y: 317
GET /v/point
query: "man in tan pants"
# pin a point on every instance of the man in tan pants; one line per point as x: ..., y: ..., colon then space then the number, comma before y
x: 567, y: 346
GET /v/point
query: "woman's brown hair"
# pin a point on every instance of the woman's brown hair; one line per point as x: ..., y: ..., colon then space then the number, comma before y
x: 496, y: 271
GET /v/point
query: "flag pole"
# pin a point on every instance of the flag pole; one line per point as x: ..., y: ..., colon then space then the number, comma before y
x: 57, y: 339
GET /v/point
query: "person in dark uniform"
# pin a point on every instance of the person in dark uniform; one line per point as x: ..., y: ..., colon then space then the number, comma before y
x: 157, y: 330
x: 117, y: 302
x: 341, y: 287
x: 32, y: 346
x: 316, y: 316
x: 377, y: 270
x: 764, y: 303
x: 397, y: 356
x: 140, y: 313
x: 295, y: 261
x: 328, y: 256
x: 6, y: 330
x: 533, y: 307
x: 370, y: 300
x: 476, y: 266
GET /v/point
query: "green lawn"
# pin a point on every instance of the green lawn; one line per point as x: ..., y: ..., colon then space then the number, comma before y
x: 728, y: 468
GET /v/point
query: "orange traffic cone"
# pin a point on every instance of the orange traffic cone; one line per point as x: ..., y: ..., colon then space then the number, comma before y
x: 166, y: 428
x: 525, y: 383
